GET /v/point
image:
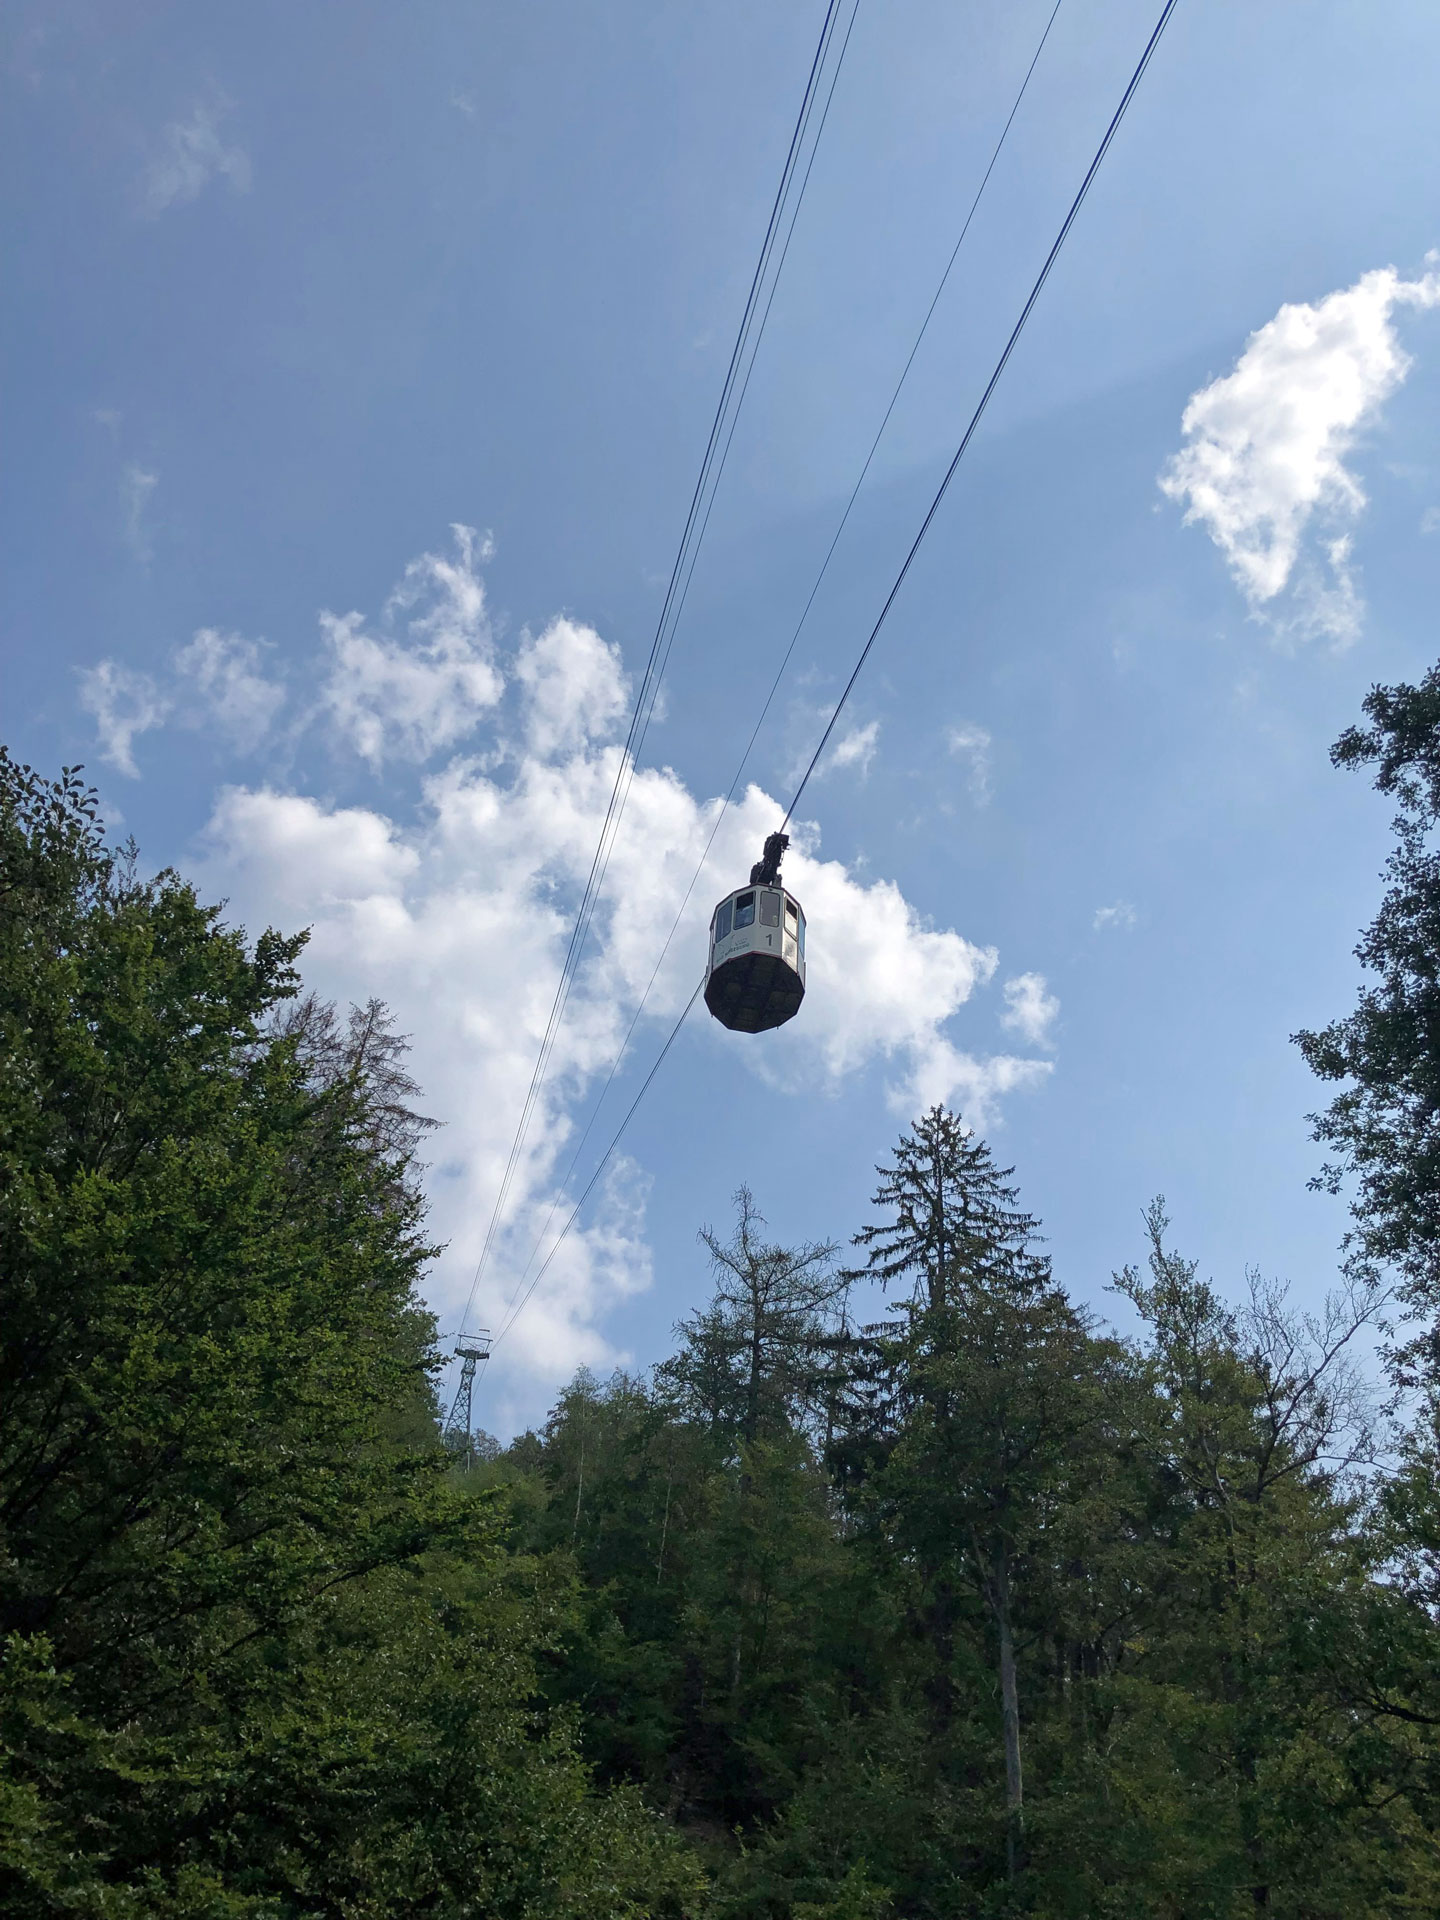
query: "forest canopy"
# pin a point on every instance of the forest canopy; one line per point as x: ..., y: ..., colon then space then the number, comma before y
x: 973, y: 1604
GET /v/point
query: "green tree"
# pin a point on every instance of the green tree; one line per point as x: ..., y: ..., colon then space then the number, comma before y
x: 951, y: 1221
x: 997, y: 1391
x: 1258, y: 1570
x: 758, y: 1358
x: 261, y: 1656
x: 615, y: 1487
x: 698, y: 1512
x: 1383, y: 1127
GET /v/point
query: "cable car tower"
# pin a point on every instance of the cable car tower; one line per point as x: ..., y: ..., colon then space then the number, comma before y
x: 470, y: 1350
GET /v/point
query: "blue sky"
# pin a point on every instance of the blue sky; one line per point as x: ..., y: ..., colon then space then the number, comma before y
x: 294, y: 293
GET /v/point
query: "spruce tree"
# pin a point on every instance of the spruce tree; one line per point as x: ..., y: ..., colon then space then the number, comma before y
x: 995, y: 1383
x: 952, y: 1219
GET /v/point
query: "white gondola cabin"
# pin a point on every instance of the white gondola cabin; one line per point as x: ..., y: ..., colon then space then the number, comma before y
x: 755, y: 979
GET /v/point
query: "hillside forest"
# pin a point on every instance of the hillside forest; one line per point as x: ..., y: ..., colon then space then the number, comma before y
x: 984, y: 1602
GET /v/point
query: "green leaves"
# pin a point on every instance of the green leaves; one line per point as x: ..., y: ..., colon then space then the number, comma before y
x: 978, y: 1611
x: 264, y: 1657
x: 1383, y: 1127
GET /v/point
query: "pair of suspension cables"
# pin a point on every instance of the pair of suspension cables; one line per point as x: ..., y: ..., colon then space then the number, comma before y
x: 684, y: 566
x: 793, y: 181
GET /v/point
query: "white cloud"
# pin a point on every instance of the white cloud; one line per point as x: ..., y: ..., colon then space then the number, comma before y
x: 396, y: 699
x: 1121, y: 915
x: 460, y: 921
x: 1430, y: 520
x: 136, y: 488
x: 192, y: 154
x: 948, y: 1077
x: 1030, y: 1010
x: 385, y: 696
x: 214, y: 685
x: 316, y: 859
x: 856, y: 748
x: 124, y: 704
x: 851, y: 749
x: 573, y: 688
x: 972, y: 745
x: 1266, y: 448
x: 230, y: 692
x: 459, y: 913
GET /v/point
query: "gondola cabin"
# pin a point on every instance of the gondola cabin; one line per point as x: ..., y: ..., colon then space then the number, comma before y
x: 756, y: 976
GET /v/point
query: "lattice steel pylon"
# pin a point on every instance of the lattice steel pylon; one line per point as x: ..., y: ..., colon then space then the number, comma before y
x: 470, y: 1350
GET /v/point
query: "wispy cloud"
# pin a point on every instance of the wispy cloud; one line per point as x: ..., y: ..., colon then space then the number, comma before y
x: 850, y: 750
x: 1030, y: 1010
x: 1119, y: 917
x: 191, y: 154
x: 856, y: 748
x: 971, y: 744
x: 124, y: 705
x: 137, y: 488
x: 412, y: 684
x: 224, y: 674
x: 1266, y: 448
x: 215, y: 683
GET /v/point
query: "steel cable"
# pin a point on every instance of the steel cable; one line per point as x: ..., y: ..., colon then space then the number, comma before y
x: 810, y: 601
x: 968, y: 435
x: 649, y: 686
x: 984, y: 400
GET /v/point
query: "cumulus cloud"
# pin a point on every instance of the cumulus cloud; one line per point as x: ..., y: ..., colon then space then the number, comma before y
x: 192, y: 153
x: 974, y: 1087
x: 572, y: 689
x: 405, y: 698
x: 459, y: 913
x: 1266, y: 448
x: 460, y: 920
x: 1030, y: 1010
x: 971, y: 744
x: 458, y: 910
x: 1119, y: 916
x: 124, y: 704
